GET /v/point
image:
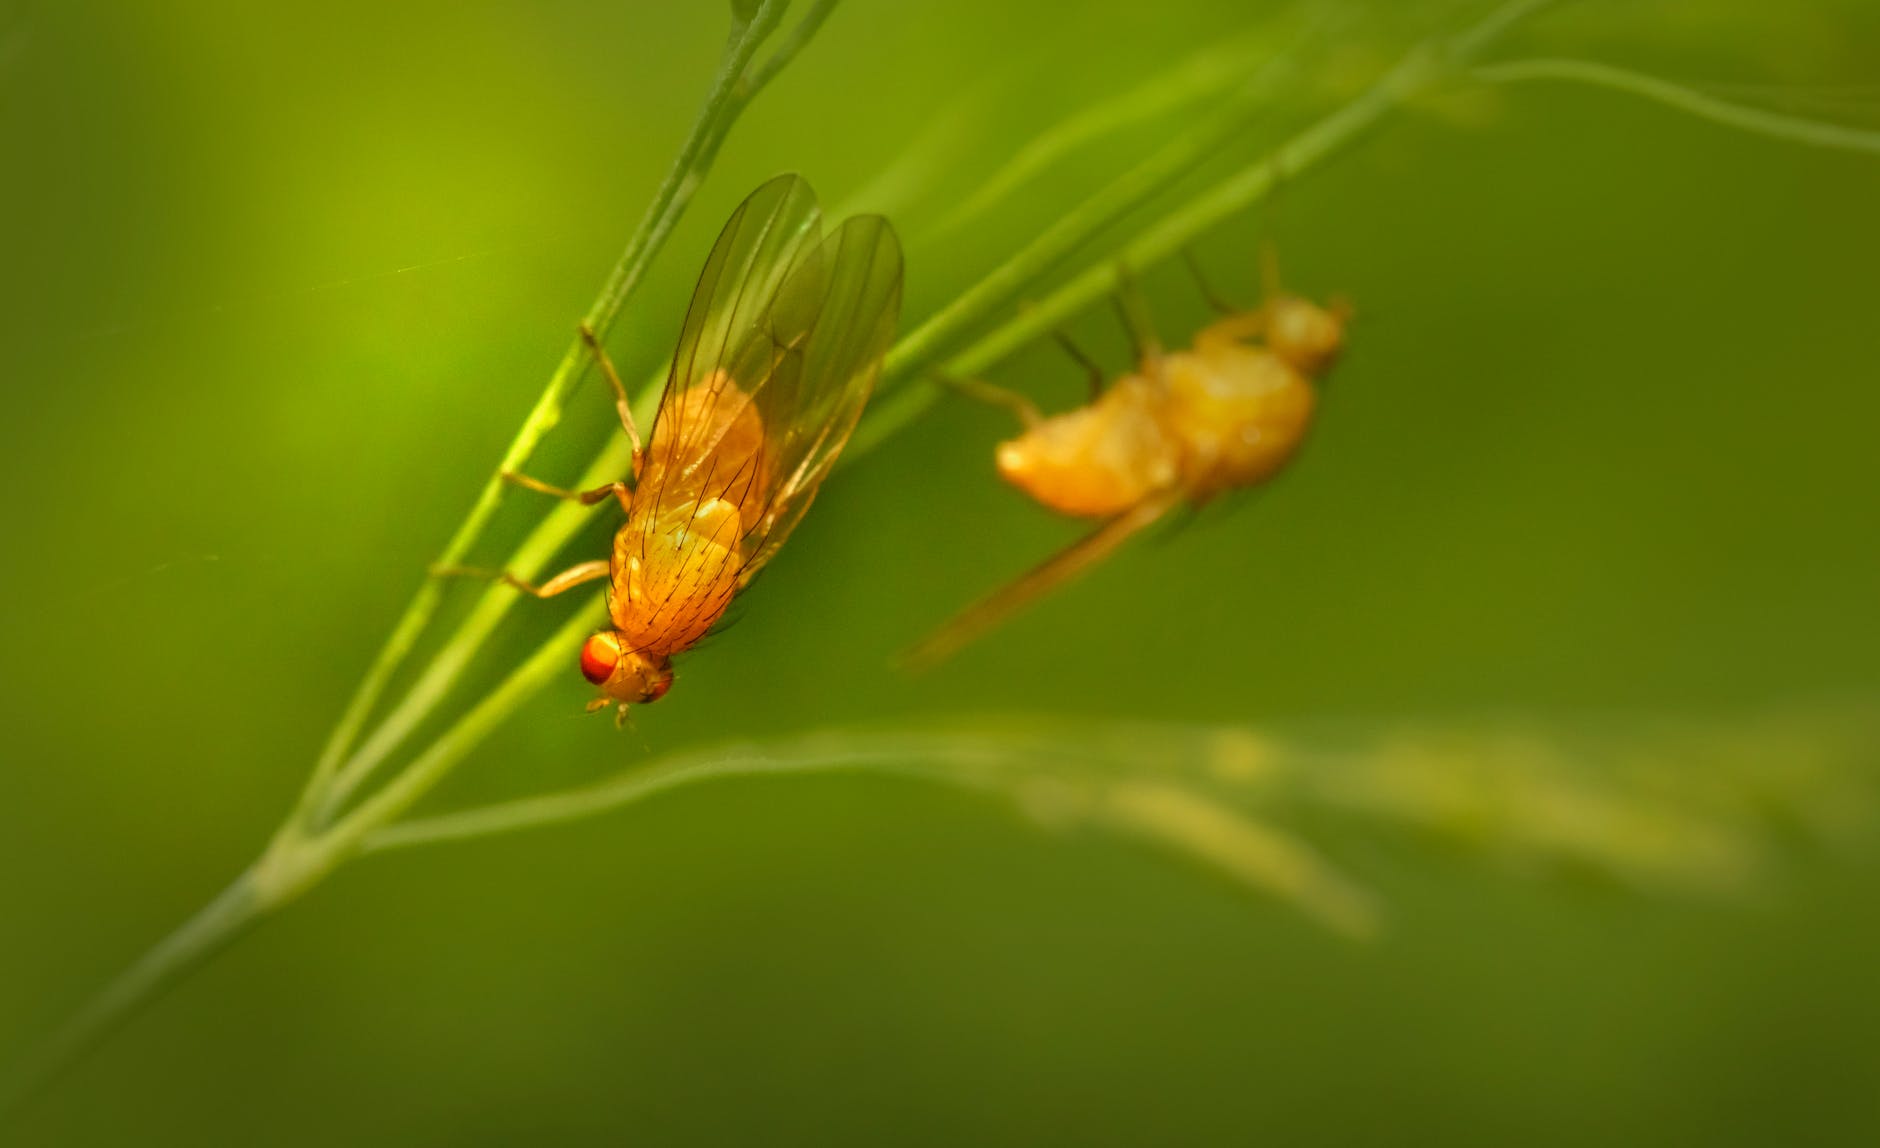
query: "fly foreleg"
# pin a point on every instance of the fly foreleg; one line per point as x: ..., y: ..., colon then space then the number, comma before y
x: 566, y: 580
x: 1091, y: 367
x: 993, y: 395
x: 621, y: 492
x: 622, y: 404
x: 1220, y: 303
x: 1133, y: 307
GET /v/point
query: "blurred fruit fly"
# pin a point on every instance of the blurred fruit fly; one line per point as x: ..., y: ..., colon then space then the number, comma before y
x: 1182, y: 428
x: 780, y: 350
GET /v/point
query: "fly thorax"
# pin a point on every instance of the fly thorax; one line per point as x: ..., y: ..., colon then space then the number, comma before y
x: 1241, y: 410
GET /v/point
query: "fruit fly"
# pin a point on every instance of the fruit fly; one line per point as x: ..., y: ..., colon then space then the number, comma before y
x: 1183, y: 427
x: 780, y: 350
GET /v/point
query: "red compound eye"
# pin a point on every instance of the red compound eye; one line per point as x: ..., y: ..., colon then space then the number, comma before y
x: 599, y: 655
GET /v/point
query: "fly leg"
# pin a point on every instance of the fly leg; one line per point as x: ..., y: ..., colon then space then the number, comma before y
x: 1091, y: 366
x: 1214, y: 299
x: 620, y: 491
x: 622, y: 404
x: 1137, y: 320
x: 1271, y: 285
x: 566, y: 580
x: 1236, y: 324
x: 993, y: 395
x: 1027, y: 411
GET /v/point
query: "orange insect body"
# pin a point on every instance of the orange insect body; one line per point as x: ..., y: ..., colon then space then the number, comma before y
x: 1184, y: 427
x: 1227, y: 413
x: 1238, y: 412
x: 676, y: 561
x: 779, y: 353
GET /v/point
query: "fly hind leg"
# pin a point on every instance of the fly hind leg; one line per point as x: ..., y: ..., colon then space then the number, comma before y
x: 1133, y: 307
x: 561, y: 583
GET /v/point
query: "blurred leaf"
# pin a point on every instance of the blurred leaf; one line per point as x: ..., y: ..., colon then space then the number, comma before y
x: 1260, y: 856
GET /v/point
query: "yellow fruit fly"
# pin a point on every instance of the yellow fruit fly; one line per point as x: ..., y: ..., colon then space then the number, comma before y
x: 779, y: 352
x: 1183, y: 427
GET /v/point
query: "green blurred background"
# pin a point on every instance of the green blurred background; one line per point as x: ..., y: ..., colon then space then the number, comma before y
x: 278, y: 282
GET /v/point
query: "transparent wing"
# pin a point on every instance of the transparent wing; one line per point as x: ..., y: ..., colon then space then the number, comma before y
x: 724, y: 355
x: 831, y: 324
x: 989, y: 612
x: 780, y: 351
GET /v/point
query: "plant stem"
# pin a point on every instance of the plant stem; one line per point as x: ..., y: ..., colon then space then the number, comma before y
x: 1155, y: 243
x: 1109, y: 778
x: 442, y: 672
x: 794, y: 41
x: 215, y: 925
x: 1468, y: 43
x: 414, y: 781
x: 1000, y: 288
x: 932, y: 757
x: 300, y: 854
x: 993, y: 293
x: 1206, y: 75
x: 292, y: 864
x: 919, y: 350
x: 1421, y: 68
x: 737, y: 82
x: 1795, y: 129
x: 320, y: 833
